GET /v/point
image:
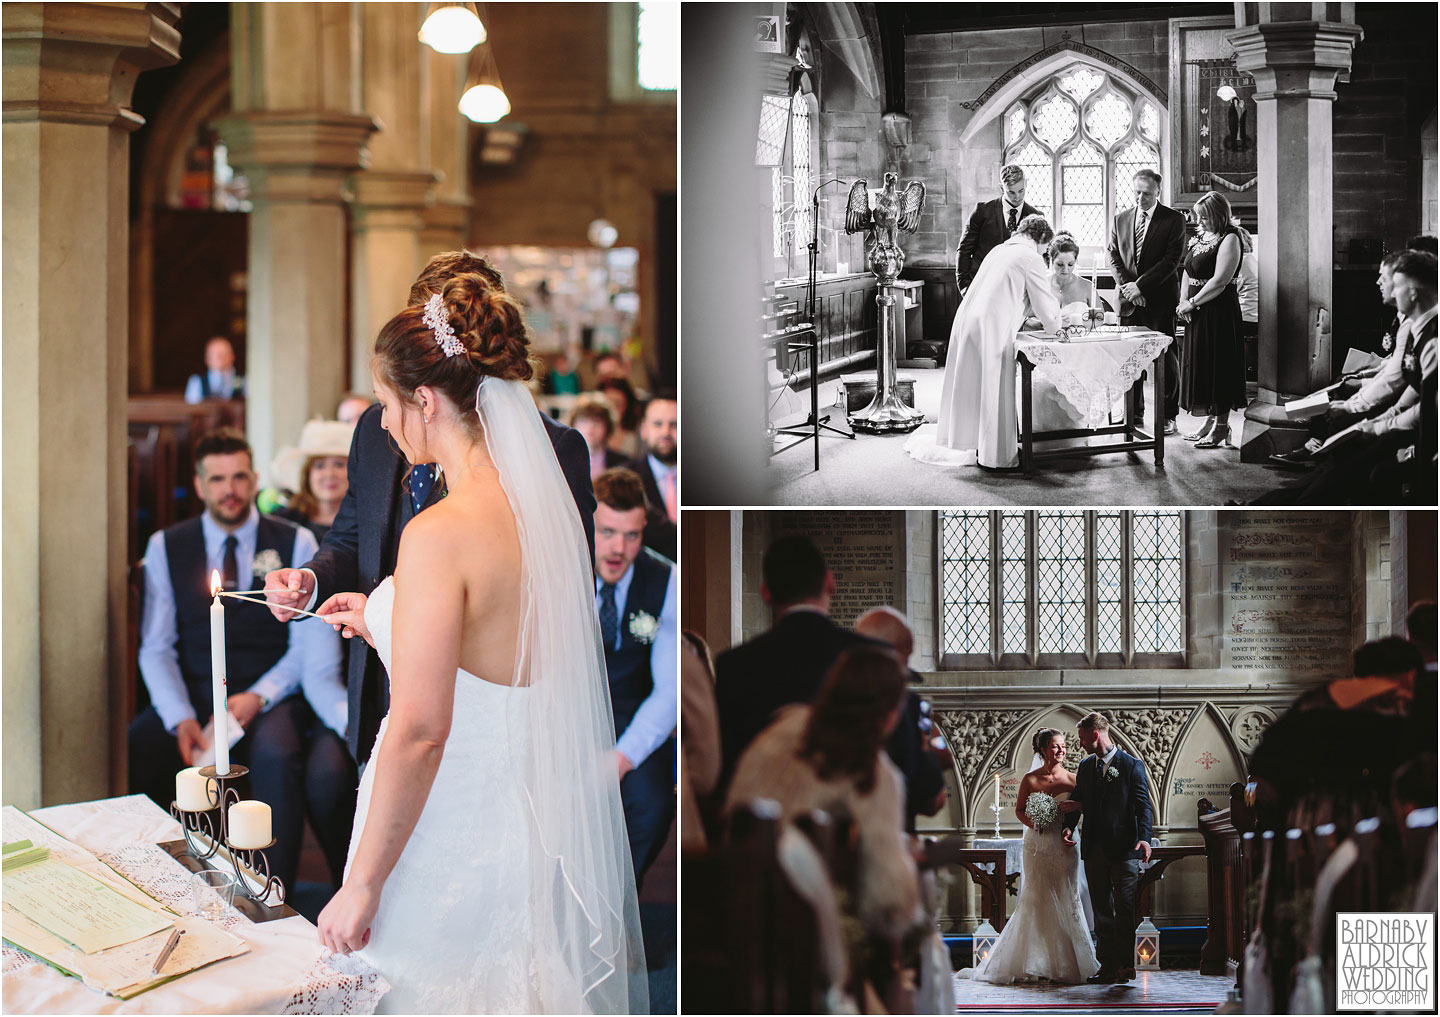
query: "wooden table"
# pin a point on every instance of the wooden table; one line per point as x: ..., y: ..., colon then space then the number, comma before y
x: 1106, y: 364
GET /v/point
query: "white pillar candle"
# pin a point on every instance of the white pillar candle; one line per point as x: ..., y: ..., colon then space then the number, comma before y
x: 249, y: 825
x: 217, y: 678
x: 192, y: 790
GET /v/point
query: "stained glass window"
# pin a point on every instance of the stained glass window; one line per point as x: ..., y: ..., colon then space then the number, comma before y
x: 1080, y: 137
x: 965, y: 571
x: 1052, y: 587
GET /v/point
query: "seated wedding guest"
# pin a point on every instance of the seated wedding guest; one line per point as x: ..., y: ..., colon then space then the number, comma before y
x: 636, y: 598
x: 829, y: 755
x: 627, y: 414
x: 700, y: 761
x: 924, y: 783
x: 265, y: 663
x: 593, y: 417
x: 316, y: 472
x: 991, y: 224
x: 331, y: 778
x: 218, y: 380
x: 1360, y: 397
x: 787, y: 663
x: 659, y: 472
x: 352, y: 404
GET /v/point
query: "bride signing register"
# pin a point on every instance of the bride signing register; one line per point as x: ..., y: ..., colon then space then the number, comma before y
x: 489, y: 870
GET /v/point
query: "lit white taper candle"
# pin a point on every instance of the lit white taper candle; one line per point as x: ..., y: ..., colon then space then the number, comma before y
x: 217, y: 678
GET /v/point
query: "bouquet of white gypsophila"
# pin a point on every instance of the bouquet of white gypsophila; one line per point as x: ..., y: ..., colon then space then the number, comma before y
x: 1042, y: 810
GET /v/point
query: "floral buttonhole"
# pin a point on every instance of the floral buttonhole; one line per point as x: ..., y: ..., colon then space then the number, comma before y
x: 643, y: 627
x: 266, y: 561
x: 1111, y: 773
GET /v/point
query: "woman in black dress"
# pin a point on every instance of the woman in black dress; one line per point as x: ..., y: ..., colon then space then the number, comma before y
x: 1212, y: 373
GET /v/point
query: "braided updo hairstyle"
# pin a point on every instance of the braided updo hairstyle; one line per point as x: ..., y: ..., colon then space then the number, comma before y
x: 1036, y: 227
x: 1063, y: 242
x: 487, y: 322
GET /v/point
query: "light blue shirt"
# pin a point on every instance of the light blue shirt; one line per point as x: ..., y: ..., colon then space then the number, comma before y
x: 654, y: 721
x: 662, y: 475
x: 222, y: 385
x: 311, y: 660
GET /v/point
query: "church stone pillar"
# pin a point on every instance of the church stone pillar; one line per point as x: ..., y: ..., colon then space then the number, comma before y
x: 1295, y: 65
x: 392, y: 194
x: 298, y: 135
x: 447, y: 221
x: 69, y: 70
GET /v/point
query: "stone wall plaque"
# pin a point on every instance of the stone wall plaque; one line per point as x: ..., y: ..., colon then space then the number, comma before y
x: 864, y: 549
x: 1286, y: 590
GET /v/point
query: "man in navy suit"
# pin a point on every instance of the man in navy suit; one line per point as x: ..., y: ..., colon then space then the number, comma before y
x: 1147, y: 244
x: 659, y: 471
x: 636, y: 599
x: 386, y: 493
x: 992, y: 223
x: 1114, y: 799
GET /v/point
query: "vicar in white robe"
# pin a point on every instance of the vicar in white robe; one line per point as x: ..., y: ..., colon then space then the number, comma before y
x: 977, y: 403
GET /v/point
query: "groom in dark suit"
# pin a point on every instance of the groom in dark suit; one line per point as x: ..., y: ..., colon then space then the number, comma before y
x: 386, y: 493
x: 1114, y: 800
x: 1147, y: 244
x: 991, y: 224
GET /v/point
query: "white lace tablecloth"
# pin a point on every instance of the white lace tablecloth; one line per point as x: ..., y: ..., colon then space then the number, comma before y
x: 1092, y: 372
x: 287, y: 971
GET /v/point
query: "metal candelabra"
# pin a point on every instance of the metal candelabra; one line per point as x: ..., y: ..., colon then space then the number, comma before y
x: 204, y: 834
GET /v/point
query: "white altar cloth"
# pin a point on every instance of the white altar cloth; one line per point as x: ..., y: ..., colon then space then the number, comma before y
x: 287, y: 971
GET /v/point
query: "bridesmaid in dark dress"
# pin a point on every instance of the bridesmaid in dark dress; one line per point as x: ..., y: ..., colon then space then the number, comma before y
x: 1212, y: 373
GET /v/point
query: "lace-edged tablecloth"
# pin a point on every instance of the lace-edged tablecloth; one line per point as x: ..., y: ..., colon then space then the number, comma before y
x: 1093, y: 372
x: 287, y: 971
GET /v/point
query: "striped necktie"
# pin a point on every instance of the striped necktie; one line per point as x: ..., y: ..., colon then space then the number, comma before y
x: 1140, y: 217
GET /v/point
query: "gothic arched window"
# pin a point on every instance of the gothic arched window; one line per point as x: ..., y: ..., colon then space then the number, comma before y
x: 1080, y: 137
x: 787, y: 145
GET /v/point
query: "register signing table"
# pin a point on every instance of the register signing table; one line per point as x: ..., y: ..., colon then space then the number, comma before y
x: 285, y: 971
x: 1093, y: 372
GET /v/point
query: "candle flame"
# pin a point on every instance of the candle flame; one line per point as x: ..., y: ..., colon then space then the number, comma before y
x: 215, y: 582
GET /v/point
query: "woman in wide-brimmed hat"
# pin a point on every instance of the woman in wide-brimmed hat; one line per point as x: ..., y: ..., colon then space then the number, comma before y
x: 316, y: 473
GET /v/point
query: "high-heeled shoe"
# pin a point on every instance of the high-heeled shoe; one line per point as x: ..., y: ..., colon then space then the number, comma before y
x: 1218, y: 438
x: 1204, y: 431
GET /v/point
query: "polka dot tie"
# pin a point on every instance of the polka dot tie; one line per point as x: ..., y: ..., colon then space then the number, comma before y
x: 609, y: 617
x: 1014, y: 219
x: 422, y: 479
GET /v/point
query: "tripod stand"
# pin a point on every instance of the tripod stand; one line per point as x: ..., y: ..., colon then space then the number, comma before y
x: 814, y: 423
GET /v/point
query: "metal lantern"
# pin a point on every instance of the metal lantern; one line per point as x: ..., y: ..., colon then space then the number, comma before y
x: 1147, y: 946
x: 985, y: 936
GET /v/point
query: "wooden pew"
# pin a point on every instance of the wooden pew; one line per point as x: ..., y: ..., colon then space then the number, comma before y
x: 1226, y: 932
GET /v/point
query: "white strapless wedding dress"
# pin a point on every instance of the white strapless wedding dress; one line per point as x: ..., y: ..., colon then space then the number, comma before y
x: 455, y: 930
x: 1046, y: 937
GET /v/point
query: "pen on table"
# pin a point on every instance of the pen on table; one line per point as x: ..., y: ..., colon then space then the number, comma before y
x: 168, y: 949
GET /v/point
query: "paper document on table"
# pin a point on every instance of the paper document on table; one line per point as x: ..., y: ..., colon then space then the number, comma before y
x: 79, y: 908
x: 128, y: 970
x: 18, y: 824
x: 22, y: 852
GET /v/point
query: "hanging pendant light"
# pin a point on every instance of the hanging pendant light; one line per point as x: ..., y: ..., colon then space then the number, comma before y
x: 452, y: 28
x: 484, y: 100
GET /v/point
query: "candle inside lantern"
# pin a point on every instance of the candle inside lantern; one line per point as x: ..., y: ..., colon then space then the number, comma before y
x: 249, y: 825
x: 192, y: 791
x: 217, y: 678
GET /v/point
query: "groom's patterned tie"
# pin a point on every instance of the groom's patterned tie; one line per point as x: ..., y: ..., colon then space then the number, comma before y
x: 609, y: 619
x: 1013, y: 220
x: 422, y: 478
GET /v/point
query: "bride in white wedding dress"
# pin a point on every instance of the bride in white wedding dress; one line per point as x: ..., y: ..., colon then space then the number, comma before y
x: 1046, y: 937
x: 489, y: 870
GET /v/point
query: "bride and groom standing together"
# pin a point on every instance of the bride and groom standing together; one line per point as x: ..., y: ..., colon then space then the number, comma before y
x: 489, y: 870
x: 1047, y: 936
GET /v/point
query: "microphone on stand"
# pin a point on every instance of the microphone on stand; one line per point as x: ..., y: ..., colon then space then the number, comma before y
x: 815, y: 244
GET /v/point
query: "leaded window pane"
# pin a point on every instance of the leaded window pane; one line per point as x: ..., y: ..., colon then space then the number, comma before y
x: 1150, y: 121
x: 771, y: 143
x: 1013, y: 583
x: 1055, y: 120
x: 1015, y: 125
x: 1158, y: 545
x: 1082, y: 197
x: 1081, y: 81
x: 965, y: 577
x: 1060, y: 581
x: 1108, y: 119
x: 1109, y: 583
x: 1133, y: 157
x: 777, y: 202
x: 1039, y: 178
x: 800, y: 168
